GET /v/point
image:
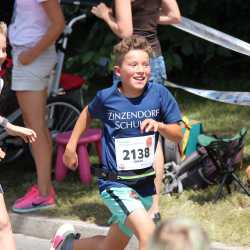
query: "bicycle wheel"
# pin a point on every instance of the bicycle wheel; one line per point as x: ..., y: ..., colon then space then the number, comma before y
x: 62, y: 114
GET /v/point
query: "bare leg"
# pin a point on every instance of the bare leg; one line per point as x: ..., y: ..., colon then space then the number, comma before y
x: 142, y: 226
x: 138, y: 221
x: 159, y: 170
x: 6, y: 236
x: 32, y: 104
x: 114, y: 240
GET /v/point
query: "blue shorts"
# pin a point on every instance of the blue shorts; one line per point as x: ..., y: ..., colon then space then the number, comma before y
x: 122, y: 202
x: 158, y: 71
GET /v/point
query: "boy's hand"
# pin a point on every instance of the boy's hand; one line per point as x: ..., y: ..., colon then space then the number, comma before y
x: 70, y: 158
x: 28, y: 135
x: 149, y: 125
x: 2, y: 154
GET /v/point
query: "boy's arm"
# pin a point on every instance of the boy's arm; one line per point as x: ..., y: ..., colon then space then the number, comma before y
x: 170, y: 13
x: 83, y: 122
x: 171, y: 131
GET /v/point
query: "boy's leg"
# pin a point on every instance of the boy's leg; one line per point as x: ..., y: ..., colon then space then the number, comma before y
x: 142, y: 226
x: 159, y: 171
x: 114, y: 240
x: 6, y: 236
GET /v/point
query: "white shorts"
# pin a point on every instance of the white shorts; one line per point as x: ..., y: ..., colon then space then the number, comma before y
x: 34, y: 76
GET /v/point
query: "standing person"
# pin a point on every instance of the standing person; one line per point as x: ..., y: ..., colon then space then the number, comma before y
x: 35, y: 27
x: 142, y: 17
x: 6, y: 236
x: 131, y: 127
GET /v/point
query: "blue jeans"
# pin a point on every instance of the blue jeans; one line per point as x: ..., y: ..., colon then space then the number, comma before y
x: 158, y: 71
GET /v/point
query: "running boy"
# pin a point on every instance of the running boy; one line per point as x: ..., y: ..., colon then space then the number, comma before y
x: 6, y: 237
x: 133, y: 113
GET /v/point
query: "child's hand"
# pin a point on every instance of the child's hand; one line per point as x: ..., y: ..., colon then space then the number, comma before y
x: 70, y: 158
x: 28, y: 135
x: 2, y: 154
x: 149, y: 125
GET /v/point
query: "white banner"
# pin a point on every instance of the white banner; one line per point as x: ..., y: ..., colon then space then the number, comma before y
x: 238, y: 98
x: 214, y: 36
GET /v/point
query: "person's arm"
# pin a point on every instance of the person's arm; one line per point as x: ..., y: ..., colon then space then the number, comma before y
x: 56, y: 18
x: 28, y: 135
x: 83, y: 122
x: 2, y: 154
x: 170, y: 13
x: 171, y: 131
x: 121, y: 24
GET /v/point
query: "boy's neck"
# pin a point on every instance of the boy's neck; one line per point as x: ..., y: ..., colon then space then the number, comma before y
x: 130, y: 93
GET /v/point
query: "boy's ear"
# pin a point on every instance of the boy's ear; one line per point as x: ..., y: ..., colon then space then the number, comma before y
x: 117, y: 70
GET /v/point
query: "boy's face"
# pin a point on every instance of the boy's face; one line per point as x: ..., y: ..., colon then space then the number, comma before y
x: 134, y: 71
x: 3, y: 53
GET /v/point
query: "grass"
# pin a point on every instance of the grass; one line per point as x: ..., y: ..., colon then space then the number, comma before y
x: 226, y: 221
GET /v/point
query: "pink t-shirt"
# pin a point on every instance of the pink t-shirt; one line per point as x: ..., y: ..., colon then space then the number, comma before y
x: 30, y: 22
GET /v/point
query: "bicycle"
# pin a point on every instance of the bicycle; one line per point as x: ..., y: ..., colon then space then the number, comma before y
x: 62, y: 112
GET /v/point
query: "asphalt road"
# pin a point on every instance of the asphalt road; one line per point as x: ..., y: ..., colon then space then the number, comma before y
x: 24, y: 242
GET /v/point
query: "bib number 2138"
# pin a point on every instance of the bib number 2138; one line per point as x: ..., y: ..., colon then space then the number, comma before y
x: 135, y: 152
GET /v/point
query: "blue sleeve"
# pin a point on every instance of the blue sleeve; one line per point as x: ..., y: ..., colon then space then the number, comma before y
x: 170, y: 110
x: 95, y: 107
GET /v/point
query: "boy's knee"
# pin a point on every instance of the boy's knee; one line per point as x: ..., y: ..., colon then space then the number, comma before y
x: 146, y: 234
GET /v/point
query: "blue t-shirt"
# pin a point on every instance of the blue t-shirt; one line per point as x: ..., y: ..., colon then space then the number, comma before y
x: 121, y: 117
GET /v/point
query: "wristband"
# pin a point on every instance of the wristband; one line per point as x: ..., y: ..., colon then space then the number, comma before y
x: 4, y: 123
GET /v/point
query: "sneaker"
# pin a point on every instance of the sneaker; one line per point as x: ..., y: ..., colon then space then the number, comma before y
x: 33, y: 191
x: 63, y: 237
x: 33, y: 201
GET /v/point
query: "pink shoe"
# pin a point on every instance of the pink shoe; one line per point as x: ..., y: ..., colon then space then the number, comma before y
x: 33, y: 201
x: 33, y: 191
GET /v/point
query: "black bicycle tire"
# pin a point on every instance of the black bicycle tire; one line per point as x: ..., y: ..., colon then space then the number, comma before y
x: 66, y: 102
x: 52, y: 100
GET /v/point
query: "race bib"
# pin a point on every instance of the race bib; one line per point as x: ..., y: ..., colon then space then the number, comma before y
x: 135, y: 152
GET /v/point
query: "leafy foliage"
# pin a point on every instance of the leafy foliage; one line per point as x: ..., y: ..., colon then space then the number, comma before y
x: 92, y: 41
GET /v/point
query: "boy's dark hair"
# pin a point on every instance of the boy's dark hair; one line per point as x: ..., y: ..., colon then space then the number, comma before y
x: 134, y: 42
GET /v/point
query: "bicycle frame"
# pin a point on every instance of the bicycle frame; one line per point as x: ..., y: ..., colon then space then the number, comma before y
x: 54, y: 86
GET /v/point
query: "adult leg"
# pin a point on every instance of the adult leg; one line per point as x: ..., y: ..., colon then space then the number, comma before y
x: 142, y: 226
x: 158, y: 75
x: 159, y: 171
x: 33, y: 106
x: 6, y: 236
